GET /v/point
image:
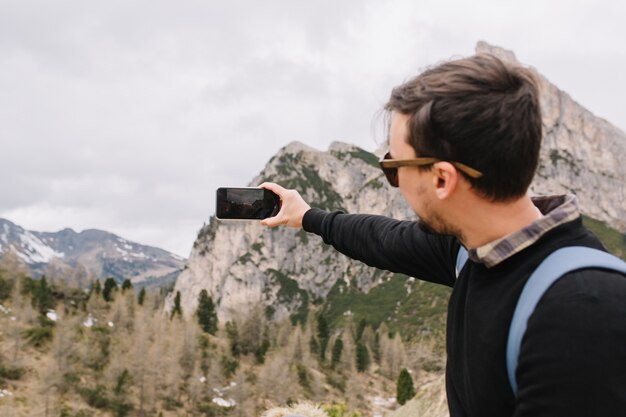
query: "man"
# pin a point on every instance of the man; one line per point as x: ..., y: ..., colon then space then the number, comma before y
x: 464, y: 143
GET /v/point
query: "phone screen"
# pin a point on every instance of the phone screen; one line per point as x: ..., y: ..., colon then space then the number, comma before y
x: 246, y: 203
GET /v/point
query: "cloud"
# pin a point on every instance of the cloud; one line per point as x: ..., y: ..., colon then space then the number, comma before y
x: 127, y: 116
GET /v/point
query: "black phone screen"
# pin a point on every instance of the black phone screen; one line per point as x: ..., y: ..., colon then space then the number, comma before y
x: 246, y: 203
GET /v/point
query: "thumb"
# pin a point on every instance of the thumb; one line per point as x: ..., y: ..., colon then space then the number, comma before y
x: 274, y: 221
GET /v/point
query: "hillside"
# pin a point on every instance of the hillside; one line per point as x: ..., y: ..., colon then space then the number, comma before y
x: 67, y: 352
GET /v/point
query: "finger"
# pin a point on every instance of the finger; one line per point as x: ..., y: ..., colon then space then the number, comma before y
x: 274, y: 187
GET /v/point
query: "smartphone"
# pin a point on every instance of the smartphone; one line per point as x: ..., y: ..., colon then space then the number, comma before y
x: 241, y: 203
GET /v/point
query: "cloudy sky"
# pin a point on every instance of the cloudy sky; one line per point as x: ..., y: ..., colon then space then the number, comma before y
x: 127, y: 115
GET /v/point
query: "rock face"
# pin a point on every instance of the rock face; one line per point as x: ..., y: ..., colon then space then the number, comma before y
x: 100, y: 254
x: 580, y: 153
x: 243, y: 263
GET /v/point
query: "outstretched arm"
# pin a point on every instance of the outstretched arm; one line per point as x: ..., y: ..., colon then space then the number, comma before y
x: 378, y: 241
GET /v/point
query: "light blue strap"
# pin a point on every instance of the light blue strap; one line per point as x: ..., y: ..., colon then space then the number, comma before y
x: 549, y: 271
x: 461, y: 258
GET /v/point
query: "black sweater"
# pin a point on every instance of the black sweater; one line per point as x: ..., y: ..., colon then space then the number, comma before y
x: 572, y: 360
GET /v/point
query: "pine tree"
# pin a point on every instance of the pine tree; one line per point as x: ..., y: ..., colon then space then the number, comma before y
x: 141, y: 296
x: 314, y: 346
x: 323, y: 334
x: 109, y: 286
x: 251, y: 330
x: 207, y: 317
x: 336, y: 355
x: 42, y: 298
x: 177, y: 309
x: 126, y: 285
x: 96, y: 287
x: 405, y: 390
x: 362, y: 357
x: 263, y: 348
x: 233, y: 338
x: 6, y: 286
x: 376, y: 348
x: 360, y: 328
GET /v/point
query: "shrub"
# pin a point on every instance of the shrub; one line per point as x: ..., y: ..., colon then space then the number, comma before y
x: 304, y: 379
x: 11, y: 373
x: 95, y: 397
x: 229, y: 366
x: 405, y: 390
x: 39, y: 335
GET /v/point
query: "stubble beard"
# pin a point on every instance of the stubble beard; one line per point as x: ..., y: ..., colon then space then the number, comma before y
x: 432, y: 223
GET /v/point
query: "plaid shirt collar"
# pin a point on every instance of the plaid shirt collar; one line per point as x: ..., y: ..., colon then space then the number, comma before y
x: 557, y: 210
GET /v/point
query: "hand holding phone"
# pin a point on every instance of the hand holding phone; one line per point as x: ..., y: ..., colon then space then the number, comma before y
x: 239, y: 203
x: 292, y: 210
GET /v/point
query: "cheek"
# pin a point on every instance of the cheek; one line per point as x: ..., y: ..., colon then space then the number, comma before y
x: 414, y: 196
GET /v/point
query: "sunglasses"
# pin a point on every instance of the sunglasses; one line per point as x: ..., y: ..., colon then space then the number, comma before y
x: 390, y: 167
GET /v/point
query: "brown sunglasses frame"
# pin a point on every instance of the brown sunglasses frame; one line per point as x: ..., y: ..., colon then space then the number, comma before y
x: 386, y: 163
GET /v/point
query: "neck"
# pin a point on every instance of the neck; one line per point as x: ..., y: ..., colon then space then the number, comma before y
x: 482, y: 221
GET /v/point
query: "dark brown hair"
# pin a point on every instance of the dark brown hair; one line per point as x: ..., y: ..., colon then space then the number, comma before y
x: 479, y: 111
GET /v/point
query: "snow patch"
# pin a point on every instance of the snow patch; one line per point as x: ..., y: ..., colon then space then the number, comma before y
x: 5, y: 234
x: 4, y: 309
x: 5, y: 393
x: 110, y: 324
x: 120, y: 250
x: 127, y: 246
x: 223, y: 402
x: 382, y: 401
x: 90, y: 321
x: 37, y: 250
x: 52, y: 315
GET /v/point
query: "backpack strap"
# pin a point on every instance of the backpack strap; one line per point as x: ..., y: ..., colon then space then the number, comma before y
x: 461, y: 258
x: 553, y: 267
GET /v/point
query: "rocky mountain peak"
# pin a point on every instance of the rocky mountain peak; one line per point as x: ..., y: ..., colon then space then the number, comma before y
x: 504, y: 54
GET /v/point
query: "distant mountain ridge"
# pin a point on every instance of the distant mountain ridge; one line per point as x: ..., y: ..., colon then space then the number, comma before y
x: 100, y: 253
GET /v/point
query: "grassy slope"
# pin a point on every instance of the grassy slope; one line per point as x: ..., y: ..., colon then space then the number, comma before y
x: 422, y: 311
x: 614, y: 241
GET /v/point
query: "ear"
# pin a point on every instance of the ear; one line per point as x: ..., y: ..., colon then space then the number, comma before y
x: 445, y: 179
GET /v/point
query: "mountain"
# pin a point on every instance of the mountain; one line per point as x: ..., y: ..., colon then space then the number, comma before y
x: 93, y: 253
x: 242, y: 263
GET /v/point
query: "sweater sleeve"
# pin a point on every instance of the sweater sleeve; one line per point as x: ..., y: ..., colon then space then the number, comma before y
x: 573, y: 356
x: 385, y: 243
